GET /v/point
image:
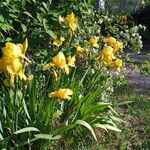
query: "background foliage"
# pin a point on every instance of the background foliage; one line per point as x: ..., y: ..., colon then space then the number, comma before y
x: 27, y: 114
x: 37, y: 20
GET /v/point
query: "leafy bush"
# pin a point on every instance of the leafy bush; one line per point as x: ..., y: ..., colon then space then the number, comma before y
x: 37, y: 20
x: 124, y: 7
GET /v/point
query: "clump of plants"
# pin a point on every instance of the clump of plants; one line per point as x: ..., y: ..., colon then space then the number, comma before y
x: 57, y: 94
x: 38, y: 20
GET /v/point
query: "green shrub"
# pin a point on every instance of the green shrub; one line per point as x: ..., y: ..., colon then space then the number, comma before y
x: 37, y: 20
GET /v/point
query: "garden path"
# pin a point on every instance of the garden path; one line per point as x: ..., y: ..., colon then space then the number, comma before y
x: 140, y: 82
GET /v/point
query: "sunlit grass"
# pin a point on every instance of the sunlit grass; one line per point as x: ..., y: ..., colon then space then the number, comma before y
x: 134, y: 109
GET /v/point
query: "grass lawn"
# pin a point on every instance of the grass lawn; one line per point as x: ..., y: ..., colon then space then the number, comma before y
x: 135, y: 133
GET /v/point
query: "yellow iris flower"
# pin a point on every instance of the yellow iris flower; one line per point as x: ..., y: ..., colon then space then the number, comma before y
x: 93, y: 41
x: 117, y: 64
x: 123, y: 19
x: 61, y: 94
x: 12, y: 50
x: 79, y: 49
x: 110, y: 40
x: 10, y: 62
x: 107, y: 55
x: 22, y: 75
x: 117, y: 46
x: 25, y: 46
x: 13, y: 67
x: 56, y: 75
x: 59, y: 42
x: 15, y: 50
x: 142, y: 2
x: 69, y: 20
x: 58, y: 61
x: 71, y: 61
